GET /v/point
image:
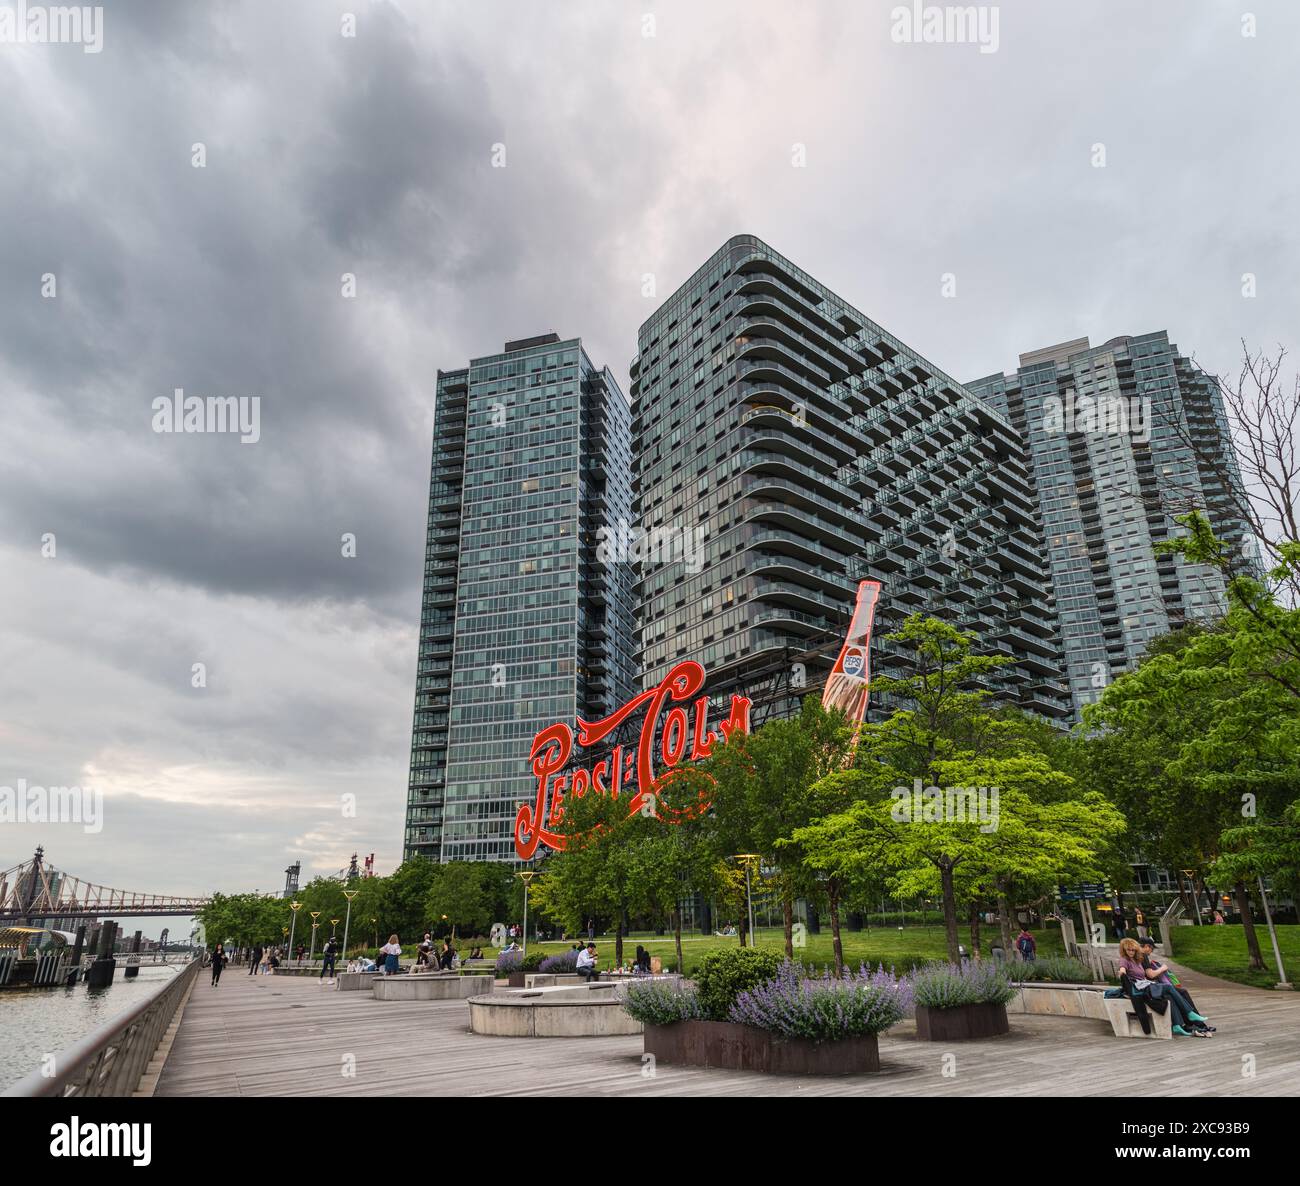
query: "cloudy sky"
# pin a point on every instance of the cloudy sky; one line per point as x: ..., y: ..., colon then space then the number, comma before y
x: 638, y: 136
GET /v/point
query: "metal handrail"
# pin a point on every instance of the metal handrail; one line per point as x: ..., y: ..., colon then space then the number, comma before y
x: 111, y: 1060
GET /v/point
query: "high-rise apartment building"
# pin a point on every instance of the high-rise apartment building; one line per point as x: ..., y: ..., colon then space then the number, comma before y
x: 794, y: 447
x: 521, y: 624
x: 1120, y: 438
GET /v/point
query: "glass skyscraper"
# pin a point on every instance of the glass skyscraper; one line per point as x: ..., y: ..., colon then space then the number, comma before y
x: 522, y: 624
x: 795, y: 447
x: 1109, y: 431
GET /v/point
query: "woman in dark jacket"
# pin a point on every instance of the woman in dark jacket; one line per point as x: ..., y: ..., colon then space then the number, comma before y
x: 218, y: 962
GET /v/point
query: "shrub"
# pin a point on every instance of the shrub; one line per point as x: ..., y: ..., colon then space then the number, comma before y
x: 724, y: 975
x: 945, y: 986
x: 825, y: 1008
x: 533, y: 961
x: 509, y: 962
x: 1059, y: 968
x: 662, y: 1002
x: 566, y: 961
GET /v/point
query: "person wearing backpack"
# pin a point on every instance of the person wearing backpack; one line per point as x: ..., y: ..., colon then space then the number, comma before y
x: 1026, y: 945
x: 327, y: 959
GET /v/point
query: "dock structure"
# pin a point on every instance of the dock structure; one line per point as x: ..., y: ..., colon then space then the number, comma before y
x: 291, y: 1036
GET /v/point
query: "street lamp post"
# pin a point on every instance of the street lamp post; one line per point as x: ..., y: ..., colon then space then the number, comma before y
x: 295, y: 907
x: 315, y: 914
x: 347, y: 922
x: 526, y: 876
x: 334, y: 927
x: 1272, y: 934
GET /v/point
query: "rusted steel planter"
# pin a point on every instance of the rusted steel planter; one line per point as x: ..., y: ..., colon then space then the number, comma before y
x: 516, y: 980
x: 962, y: 1023
x: 734, y: 1047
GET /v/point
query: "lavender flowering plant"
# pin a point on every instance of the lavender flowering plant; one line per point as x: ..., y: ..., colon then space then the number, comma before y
x: 662, y: 1002
x: 946, y: 986
x: 509, y: 962
x: 827, y: 1007
x: 566, y: 961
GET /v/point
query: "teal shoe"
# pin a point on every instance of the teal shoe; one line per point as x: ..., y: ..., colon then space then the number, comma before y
x: 1182, y: 1033
x: 1196, y: 1017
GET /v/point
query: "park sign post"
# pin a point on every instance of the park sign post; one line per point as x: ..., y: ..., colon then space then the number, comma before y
x: 636, y: 773
x: 1082, y: 892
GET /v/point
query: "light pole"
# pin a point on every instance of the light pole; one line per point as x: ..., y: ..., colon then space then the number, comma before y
x: 315, y: 914
x: 334, y: 927
x: 295, y: 907
x: 347, y: 922
x: 526, y: 876
x: 749, y: 858
x: 1272, y: 934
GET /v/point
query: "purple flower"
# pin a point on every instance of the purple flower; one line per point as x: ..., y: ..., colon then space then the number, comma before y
x: 827, y: 1007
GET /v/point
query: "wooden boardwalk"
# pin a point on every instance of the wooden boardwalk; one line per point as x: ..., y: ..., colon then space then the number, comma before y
x: 288, y: 1036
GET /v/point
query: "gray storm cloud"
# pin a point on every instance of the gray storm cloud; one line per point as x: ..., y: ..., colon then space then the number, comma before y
x: 628, y: 156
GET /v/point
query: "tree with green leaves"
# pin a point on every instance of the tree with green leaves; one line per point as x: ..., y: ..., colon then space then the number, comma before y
x: 461, y: 894
x: 762, y: 792
x: 941, y: 752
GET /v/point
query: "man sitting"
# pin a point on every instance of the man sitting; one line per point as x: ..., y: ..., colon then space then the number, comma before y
x: 1160, y: 972
x: 587, y: 963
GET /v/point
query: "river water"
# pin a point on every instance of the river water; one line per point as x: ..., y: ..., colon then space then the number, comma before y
x: 35, y: 1022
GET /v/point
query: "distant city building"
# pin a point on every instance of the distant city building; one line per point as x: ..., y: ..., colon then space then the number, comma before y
x: 786, y: 446
x: 522, y: 623
x: 1110, y: 469
x: 291, y: 875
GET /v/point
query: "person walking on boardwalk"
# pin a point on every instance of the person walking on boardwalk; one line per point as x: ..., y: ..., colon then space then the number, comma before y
x: 255, y: 961
x: 327, y: 958
x: 218, y: 962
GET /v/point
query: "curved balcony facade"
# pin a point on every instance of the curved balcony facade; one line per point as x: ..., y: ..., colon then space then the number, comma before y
x: 813, y: 449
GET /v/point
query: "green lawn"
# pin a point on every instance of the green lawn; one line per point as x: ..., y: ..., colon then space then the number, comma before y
x: 889, y: 946
x: 1221, y: 951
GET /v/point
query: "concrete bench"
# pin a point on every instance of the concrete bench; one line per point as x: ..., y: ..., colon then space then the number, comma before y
x: 560, y: 1011
x: 1123, y: 1019
x: 1088, y: 1000
x: 1060, y: 1000
x: 564, y: 992
x: 356, y: 981
x: 442, y: 986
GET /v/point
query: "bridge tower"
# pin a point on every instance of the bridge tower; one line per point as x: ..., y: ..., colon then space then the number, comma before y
x: 291, y: 875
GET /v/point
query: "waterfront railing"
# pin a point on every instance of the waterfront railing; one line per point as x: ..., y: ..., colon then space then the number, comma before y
x: 112, y: 1060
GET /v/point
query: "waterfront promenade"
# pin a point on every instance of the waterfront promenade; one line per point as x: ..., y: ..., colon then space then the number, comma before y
x: 286, y: 1035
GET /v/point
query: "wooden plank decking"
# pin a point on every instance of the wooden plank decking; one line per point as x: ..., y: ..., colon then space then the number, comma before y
x: 288, y: 1036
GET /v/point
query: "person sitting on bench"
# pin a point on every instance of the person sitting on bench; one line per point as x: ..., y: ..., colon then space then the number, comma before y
x: 587, y: 963
x: 1143, y: 987
x: 1160, y: 973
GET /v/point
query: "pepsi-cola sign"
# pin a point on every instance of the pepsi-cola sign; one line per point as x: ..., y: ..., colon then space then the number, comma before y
x: 665, y: 740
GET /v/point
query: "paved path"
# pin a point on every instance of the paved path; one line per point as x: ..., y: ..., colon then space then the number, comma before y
x: 287, y: 1035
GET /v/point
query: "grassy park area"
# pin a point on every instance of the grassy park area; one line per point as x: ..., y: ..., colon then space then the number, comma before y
x: 1221, y: 951
x: 894, y: 947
